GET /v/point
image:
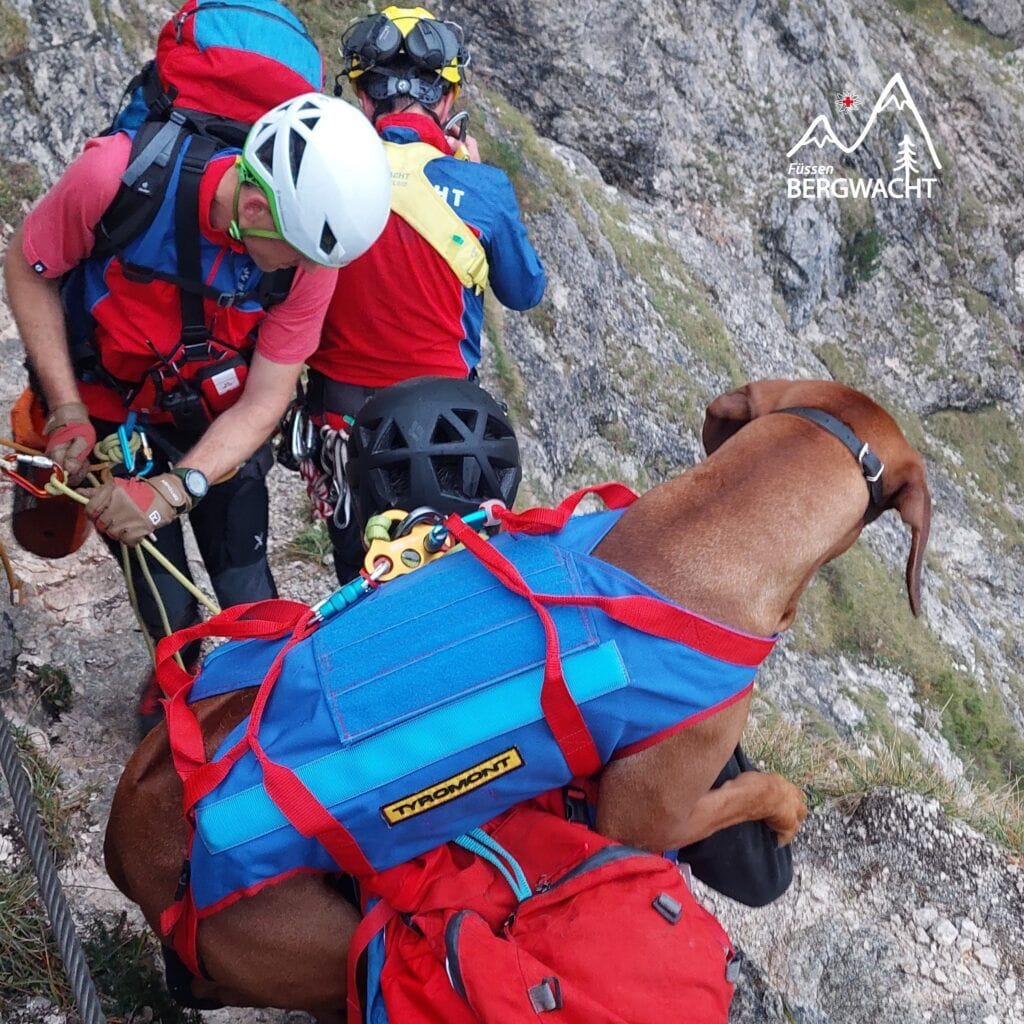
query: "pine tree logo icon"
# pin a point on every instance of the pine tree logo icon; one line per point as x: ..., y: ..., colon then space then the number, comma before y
x: 906, y: 161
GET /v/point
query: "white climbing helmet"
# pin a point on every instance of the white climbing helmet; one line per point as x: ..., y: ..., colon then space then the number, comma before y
x: 325, y: 174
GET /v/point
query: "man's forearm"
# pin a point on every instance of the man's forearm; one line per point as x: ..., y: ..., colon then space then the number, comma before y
x: 231, y: 439
x: 36, y: 304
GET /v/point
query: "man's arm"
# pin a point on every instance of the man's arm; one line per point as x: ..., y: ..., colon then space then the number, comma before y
x: 36, y: 304
x: 235, y: 434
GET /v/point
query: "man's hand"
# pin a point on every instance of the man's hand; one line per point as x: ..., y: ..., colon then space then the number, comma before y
x: 69, y: 439
x: 129, y: 510
x: 465, y: 148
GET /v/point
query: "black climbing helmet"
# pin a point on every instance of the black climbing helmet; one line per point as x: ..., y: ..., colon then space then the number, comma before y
x: 404, y: 51
x: 435, y: 441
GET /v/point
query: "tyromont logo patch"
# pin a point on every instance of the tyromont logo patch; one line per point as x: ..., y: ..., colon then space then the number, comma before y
x: 914, y: 171
x: 449, y: 789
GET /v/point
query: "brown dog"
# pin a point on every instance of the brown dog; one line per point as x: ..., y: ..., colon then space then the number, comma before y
x: 739, y: 537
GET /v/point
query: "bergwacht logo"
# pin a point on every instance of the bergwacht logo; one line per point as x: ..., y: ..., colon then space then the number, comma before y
x: 458, y: 785
x: 817, y: 181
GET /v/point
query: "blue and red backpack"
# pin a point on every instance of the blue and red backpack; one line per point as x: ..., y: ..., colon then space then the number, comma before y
x: 220, y: 65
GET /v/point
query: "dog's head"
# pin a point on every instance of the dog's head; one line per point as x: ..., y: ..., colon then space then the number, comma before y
x: 905, y: 486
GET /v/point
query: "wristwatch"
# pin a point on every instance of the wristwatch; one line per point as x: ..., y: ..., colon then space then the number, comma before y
x: 194, y: 480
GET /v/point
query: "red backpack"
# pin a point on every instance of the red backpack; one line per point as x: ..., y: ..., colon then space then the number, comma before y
x: 536, y: 915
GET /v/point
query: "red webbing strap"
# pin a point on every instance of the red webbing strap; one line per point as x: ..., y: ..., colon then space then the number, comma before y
x: 661, y: 619
x: 304, y: 811
x: 266, y: 620
x: 263, y: 619
x: 375, y: 920
x: 562, y: 713
x: 549, y: 520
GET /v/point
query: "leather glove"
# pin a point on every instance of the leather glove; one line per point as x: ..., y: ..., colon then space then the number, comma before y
x: 129, y: 510
x: 69, y: 439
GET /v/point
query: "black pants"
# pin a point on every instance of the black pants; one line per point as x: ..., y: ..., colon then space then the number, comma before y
x: 325, y: 395
x: 743, y: 861
x: 230, y: 526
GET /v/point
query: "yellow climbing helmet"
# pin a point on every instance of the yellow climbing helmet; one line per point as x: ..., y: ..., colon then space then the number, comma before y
x: 398, y: 45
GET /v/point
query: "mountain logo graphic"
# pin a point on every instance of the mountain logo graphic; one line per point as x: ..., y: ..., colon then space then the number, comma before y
x: 896, y: 96
x: 807, y: 179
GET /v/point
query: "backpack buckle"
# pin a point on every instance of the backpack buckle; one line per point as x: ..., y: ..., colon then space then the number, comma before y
x: 576, y: 809
x: 546, y: 995
x: 195, y: 342
x: 225, y: 300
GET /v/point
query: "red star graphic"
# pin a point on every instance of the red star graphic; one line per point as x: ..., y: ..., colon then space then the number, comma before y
x: 848, y: 101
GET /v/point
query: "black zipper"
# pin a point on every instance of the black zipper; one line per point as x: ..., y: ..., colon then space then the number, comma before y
x: 179, y: 21
x: 609, y: 855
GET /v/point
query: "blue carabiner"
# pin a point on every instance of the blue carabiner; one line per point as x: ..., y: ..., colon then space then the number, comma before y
x: 147, y: 451
x: 124, y: 433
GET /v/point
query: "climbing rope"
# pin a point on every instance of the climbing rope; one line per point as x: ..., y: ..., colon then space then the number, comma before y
x: 61, y: 922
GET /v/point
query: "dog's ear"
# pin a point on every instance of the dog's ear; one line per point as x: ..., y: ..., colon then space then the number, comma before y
x: 913, y: 501
x: 725, y: 415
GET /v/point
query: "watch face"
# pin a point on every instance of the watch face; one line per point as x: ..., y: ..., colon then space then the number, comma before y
x: 196, y: 483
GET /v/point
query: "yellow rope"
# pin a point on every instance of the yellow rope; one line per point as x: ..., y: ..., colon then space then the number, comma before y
x: 161, y: 610
x: 55, y: 486
x: 109, y: 449
x: 133, y: 600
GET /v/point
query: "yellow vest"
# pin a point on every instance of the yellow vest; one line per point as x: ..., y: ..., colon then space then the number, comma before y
x: 424, y: 209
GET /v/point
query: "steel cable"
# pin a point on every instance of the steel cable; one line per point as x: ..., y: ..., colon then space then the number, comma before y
x: 61, y: 922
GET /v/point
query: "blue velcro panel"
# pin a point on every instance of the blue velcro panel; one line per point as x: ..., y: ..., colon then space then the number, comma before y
x: 277, y: 34
x: 405, y: 749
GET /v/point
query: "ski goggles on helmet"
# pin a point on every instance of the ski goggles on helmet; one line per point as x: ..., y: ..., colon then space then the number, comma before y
x: 412, y: 32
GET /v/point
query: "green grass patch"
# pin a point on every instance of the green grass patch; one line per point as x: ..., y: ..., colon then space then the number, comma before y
x: 862, y: 255
x: 858, y: 607
x: 124, y: 966
x: 312, y: 543
x: 513, y: 387
x: 123, y: 962
x: 19, y: 184
x: 52, y: 686
x: 13, y: 32
x: 827, y: 769
x: 938, y: 18
x: 29, y: 963
x: 991, y: 471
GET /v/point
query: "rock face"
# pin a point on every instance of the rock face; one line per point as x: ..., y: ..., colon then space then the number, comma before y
x: 651, y: 149
x: 895, y: 915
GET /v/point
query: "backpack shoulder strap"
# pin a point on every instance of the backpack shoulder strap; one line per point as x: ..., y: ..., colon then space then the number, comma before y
x: 274, y: 287
x: 155, y: 148
x: 425, y: 210
x: 194, y: 334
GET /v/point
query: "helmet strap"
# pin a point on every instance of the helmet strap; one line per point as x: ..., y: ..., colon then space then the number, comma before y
x: 235, y: 229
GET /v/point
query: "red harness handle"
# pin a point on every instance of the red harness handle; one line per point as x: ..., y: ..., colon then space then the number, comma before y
x: 561, y: 711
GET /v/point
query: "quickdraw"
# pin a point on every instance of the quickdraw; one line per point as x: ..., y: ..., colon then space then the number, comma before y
x: 322, y: 457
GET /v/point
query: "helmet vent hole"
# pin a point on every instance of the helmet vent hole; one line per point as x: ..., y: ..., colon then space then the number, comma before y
x: 310, y: 120
x: 457, y: 477
x: 296, y: 147
x: 391, y: 440
x: 469, y: 417
x: 327, y: 240
x: 445, y: 432
x: 265, y: 154
x: 496, y: 430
